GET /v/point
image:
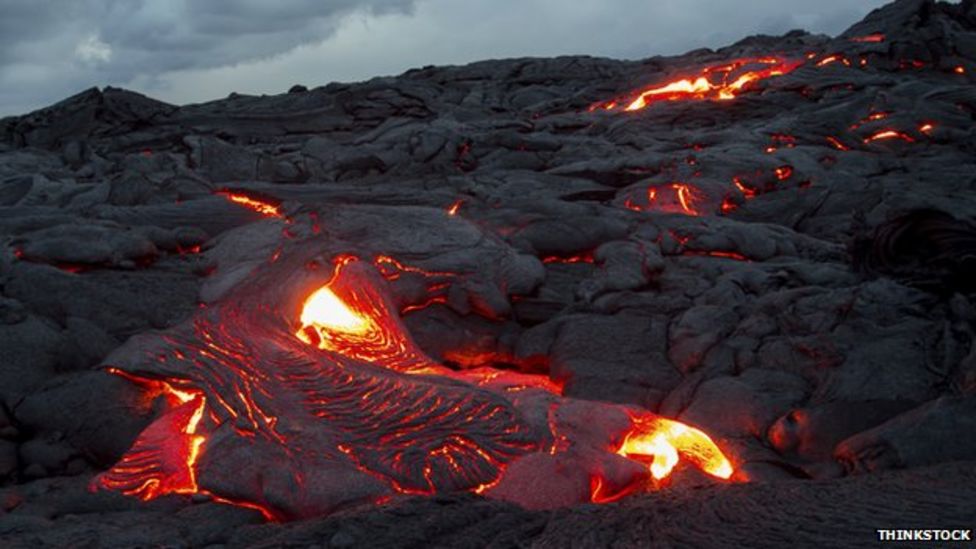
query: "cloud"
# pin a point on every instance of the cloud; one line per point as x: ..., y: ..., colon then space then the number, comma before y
x: 184, y: 51
x: 93, y: 50
x: 66, y: 46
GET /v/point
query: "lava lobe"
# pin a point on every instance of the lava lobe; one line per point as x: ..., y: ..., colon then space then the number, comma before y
x: 302, y: 392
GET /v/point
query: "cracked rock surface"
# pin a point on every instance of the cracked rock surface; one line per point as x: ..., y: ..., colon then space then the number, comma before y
x: 791, y: 271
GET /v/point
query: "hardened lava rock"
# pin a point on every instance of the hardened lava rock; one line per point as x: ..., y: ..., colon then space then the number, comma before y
x: 770, y: 242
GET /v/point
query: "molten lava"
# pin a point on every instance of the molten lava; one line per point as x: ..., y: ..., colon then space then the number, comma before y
x: 889, y: 134
x: 833, y: 59
x: 163, y: 459
x: 678, y: 197
x: 329, y: 314
x: 666, y: 440
x: 263, y: 207
x: 358, y: 326
x: 835, y: 143
x: 578, y: 258
x: 299, y: 407
x: 719, y: 82
x: 783, y: 172
x: 453, y: 208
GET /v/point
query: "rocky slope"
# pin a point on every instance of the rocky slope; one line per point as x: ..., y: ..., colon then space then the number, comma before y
x: 788, y: 269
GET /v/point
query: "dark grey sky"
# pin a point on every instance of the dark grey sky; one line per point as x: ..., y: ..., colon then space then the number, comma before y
x: 184, y: 51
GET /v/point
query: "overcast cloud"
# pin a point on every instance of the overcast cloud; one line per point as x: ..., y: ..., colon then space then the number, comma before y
x: 184, y: 51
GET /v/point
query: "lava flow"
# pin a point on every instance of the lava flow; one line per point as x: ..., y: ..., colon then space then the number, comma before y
x: 681, y: 198
x: 263, y: 207
x: 718, y: 82
x: 660, y: 438
x: 302, y: 396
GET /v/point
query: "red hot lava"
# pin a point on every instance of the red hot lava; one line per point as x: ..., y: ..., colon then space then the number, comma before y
x: 875, y: 38
x: 263, y: 207
x: 297, y: 405
x: 675, y: 197
x: 889, y: 134
x: 718, y: 82
x: 453, y: 208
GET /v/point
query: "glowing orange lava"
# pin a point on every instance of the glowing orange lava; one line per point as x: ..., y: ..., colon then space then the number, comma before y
x: 869, y: 38
x: 676, y: 197
x: 873, y: 117
x: 835, y: 143
x: 746, y: 191
x: 329, y: 314
x: 146, y: 473
x: 686, y: 197
x: 728, y: 205
x: 262, y: 207
x: 353, y: 323
x: 911, y: 64
x: 783, y: 172
x: 453, y: 208
x: 342, y: 362
x: 579, y: 258
x: 833, y: 59
x: 717, y: 253
x: 889, y: 134
x: 719, y: 82
x: 667, y: 440
x: 780, y: 140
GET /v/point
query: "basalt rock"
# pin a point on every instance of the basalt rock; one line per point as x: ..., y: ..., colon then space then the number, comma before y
x: 771, y: 243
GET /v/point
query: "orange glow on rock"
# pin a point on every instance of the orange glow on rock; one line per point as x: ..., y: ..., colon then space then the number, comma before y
x: 780, y: 140
x: 668, y: 441
x: 869, y: 38
x: 579, y: 258
x: 746, y: 191
x: 392, y: 269
x: 686, y: 197
x: 163, y: 458
x: 926, y: 128
x: 728, y: 205
x: 717, y: 253
x: 453, y: 208
x: 783, y: 172
x: 835, y: 143
x: 873, y: 117
x: 262, y: 207
x: 719, y: 82
x: 889, y: 134
x: 678, y: 197
x: 328, y: 313
x: 959, y: 70
x: 833, y: 59
x: 342, y: 356
x: 357, y: 323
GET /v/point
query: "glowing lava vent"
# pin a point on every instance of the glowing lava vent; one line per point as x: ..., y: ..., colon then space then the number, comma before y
x: 302, y: 392
x: 718, y: 82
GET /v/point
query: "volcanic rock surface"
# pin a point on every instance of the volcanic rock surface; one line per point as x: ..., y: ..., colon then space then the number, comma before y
x: 774, y: 242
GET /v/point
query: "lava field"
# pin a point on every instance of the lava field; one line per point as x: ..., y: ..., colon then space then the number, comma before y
x: 721, y: 299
